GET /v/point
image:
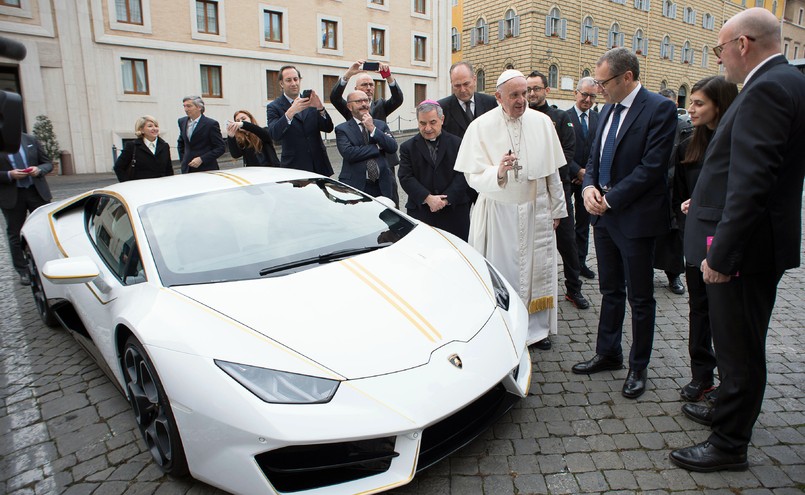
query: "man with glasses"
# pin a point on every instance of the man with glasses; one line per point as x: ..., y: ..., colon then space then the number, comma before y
x: 364, y: 143
x: 585, y: 123
x: 537, y: 91
x: 625, y: 191
x: 744, y: 228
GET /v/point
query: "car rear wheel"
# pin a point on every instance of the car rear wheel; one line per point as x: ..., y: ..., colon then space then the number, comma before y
x: 152, y: 409
x: 40, y: 298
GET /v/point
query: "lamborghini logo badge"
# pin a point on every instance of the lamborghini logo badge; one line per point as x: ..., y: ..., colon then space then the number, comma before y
x: 455, y: 361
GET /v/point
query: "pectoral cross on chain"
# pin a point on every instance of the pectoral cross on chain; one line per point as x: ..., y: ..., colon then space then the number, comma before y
x: 516, y: 167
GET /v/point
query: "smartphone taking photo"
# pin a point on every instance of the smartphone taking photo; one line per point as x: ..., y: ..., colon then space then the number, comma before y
x: 306, y: 93
x: 373, y: 66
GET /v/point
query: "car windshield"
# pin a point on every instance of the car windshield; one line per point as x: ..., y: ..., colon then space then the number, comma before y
x: 265, y: 230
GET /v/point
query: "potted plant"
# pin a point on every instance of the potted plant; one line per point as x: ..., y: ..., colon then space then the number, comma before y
x: 43, y: 130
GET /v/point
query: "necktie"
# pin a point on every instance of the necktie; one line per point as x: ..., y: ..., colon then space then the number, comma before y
x: 433, y: 149
x: 584, y: 128
x: 372, y: 170
x: 19, y: 164
x: 609, y: 148
x: 190, y: 128
x: 468, y: 111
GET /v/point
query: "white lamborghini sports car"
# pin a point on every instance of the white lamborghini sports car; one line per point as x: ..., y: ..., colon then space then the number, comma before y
x: 280, y: 332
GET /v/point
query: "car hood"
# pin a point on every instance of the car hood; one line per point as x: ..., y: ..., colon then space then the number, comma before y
x: 368, y: 315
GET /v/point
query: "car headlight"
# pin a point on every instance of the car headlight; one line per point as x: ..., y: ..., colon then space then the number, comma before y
x: 499, y: 288
x: 280, y: 387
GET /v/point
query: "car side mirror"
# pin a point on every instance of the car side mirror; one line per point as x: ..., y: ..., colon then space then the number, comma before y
x: 77, y: 270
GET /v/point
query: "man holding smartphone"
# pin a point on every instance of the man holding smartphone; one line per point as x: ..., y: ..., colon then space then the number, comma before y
x: 379, y: 108
x: 23, y: 189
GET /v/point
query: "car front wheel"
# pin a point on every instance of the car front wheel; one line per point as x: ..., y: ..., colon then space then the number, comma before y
x: 152, y: 409
x: 40, y: 298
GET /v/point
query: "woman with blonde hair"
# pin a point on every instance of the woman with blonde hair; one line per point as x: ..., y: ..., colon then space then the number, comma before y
x: 247, y: 139
x: 146, y: 157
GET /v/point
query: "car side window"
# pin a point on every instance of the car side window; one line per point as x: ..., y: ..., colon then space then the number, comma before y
x: 111, y: 232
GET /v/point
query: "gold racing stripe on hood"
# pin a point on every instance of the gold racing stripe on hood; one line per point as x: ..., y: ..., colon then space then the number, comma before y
x: 403, y: 307
x: 234, y: 178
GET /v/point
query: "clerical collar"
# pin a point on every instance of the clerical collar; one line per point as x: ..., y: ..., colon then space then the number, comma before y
x: 542, y: 108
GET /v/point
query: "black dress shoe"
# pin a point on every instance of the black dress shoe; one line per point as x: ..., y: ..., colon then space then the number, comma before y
x: 586, y: 272
x: 675, y: 285
x: 695, y: 390
x: 698, y: 413
x: 578, y: 300
x: 706, y: 458
x: 635, y: 383
x: 543, y: 345
x: 598, y: 363
x: 25, y: 279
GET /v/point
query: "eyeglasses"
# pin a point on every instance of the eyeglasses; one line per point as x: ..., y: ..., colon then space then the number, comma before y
x: 362, y: 100
x: 584, y: 95
x: 603, y: 83
x: 535, y: 89
x: 720, y: 48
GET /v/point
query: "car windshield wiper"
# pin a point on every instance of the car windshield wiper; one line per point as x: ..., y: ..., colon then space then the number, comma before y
x: 322, y: 258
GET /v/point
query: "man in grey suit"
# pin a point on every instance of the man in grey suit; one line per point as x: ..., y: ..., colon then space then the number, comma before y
x: 464, y: 105
x: 585, y: 123
x: 744, y: 228
x: 200, y: 142
x: 23, y: 189
x: 364, y: 143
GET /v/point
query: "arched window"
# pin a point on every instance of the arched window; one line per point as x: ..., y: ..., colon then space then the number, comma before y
x: 455, y: 40
x: 480, y: 80
x: 705, y: 55
x: 589, y: 34
x: 553, y: 76
x: 615, y: 38
x: 640, y: 43
x: 585, y: 73
x: 666, y: 49
x: 510, y: 26
x: 554, y: 24
x: 663, y: 84
x: 687, y: 53
x: 480, y: 33
x: 682, y: 97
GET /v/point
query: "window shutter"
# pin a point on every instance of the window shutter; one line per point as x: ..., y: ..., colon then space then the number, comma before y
x: 673, y: 11
x: 647, y: 6
x: 548, y: 25
x: 563, y: 28
x: 516, y: 28
x: 485, y: 31
x: 645, y: 46
x: 671, y: 53
x: 595, y: 36
x: 500, y: 29
x: 473, y: 37
x: 637, y: 4
x: 620, y: 39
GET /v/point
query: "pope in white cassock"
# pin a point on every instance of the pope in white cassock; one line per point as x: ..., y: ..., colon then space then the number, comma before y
x: 511, y: 155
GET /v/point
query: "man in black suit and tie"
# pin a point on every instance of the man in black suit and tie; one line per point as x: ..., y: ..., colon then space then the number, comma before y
x: 746, y: 207
x: 298, y: 122
x: 379, y: 109
x: 437, y: 194
x: 464, y: 104
x: 200, y: 141
x: 23, y: 189
x: 364, y: 143
x: 585, y: 124
x: 624, y: 189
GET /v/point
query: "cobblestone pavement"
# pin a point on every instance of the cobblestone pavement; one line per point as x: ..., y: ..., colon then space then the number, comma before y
x: 65, y: 429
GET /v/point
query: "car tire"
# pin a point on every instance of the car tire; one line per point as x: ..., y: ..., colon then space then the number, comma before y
x: 152, y: 409
x: 38, y: 290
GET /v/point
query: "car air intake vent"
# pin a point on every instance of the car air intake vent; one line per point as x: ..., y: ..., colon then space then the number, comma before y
x: 450, y: 434
x: 304, y: 467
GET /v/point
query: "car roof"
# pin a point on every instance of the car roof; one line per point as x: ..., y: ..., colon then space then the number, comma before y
x: 147, y: 191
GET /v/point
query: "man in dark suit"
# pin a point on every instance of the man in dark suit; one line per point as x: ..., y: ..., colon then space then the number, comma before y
x: 746, y: 207
x: 585, y: 124
x: 298, y: 122
x: 537, y: 91
x: 379, y: 109
x: 200, y: 141
x: 364, y: 143
x: 625, y: 191
x: 464, y: 104
x: 437, y: 194
x: 23, y: 189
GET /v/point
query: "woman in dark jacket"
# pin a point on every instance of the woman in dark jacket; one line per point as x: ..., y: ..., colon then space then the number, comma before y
x: 247, y: 139
x: 147, y: 157
x: 709, y: 100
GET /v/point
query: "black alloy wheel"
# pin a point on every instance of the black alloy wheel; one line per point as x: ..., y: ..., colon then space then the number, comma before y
x: 40, y: 298
x: 152, y: 409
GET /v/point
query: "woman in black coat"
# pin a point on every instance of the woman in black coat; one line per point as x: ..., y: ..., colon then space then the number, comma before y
x: 247, y: 139
x: 147, y: 157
